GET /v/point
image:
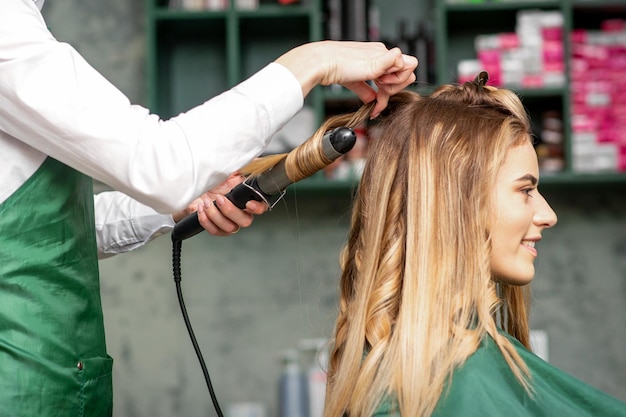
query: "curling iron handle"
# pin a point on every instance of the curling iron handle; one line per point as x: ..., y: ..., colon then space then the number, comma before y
x: 190, y: 225
x: 243, y: 193
x: 187, y: 227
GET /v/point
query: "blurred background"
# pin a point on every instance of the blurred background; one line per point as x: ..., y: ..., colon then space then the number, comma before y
x: 254, y: 296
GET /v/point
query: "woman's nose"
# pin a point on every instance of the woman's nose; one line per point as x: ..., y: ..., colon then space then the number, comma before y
x: 544, y: 215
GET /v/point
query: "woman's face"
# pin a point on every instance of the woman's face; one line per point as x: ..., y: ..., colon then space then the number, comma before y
x: 520, y: 216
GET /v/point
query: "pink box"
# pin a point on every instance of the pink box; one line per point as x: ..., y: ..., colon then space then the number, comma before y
x: 578, y: 36
x: 582, y: 123
x: 552, y: 33
x: 490, y: 57
x: 613, y: 25
x: 532, y: 81
x: 508, y: 40
x: 553, y: 57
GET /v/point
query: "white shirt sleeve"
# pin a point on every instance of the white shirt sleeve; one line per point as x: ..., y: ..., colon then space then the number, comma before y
x: 123, y: 224
x: 52, y: 100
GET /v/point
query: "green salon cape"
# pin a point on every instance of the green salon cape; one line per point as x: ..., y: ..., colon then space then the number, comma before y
x: 53, y: 359
x: 486, y: 387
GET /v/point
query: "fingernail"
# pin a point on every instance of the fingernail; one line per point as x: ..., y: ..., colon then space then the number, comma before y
x: 219, y: 199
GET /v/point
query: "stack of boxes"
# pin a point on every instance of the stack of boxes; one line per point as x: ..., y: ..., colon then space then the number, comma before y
x: 598, y: 97
x: 530, y: 57
x: 533, y: 57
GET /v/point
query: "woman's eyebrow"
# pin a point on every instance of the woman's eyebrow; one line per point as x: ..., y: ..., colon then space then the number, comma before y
x: 528, y: 177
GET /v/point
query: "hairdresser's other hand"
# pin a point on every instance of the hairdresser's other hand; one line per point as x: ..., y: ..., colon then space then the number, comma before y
x: 225, y: 219
x: 352, y: 64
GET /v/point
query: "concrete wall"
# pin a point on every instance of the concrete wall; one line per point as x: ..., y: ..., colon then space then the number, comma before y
x: 254, y: 294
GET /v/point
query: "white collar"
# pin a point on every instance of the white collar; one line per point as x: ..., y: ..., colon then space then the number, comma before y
x: 39, y: 3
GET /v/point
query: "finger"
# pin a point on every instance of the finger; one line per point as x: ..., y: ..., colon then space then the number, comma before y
x: 363, y: 90
x: 206, y: 222
x: 409, y: 62
x: 256, y: 207
x: 217, y: 223
x: 399, y: 78
x: 401, y: 74
x: 382, y: 99
x: 402, y: 63
x: 231, y: 217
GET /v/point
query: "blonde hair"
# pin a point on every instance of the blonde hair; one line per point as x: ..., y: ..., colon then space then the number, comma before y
x: 417, y: 295
x: 416, y: 290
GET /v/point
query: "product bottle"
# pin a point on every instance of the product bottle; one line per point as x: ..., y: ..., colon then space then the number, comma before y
x: 291, y: 393
x: 315, y: 352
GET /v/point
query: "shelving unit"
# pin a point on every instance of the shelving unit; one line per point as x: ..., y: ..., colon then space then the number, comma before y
x: 458, y: 23
x: 194, y: 55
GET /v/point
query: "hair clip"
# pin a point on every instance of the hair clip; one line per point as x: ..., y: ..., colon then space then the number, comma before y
x: 481, y: 79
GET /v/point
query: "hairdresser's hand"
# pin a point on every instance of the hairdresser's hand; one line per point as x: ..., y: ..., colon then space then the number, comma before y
x: 352, y: 64
x: 225, y: 219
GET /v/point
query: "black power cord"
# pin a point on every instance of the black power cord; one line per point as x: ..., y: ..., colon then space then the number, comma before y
x: 176, y: 253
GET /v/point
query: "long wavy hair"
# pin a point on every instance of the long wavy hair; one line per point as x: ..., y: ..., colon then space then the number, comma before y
x: 416, y: 293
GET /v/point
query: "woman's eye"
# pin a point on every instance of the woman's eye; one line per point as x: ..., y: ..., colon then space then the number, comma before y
x: 528, y: 190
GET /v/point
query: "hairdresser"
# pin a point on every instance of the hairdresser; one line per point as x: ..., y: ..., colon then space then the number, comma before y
x: 62, y: 124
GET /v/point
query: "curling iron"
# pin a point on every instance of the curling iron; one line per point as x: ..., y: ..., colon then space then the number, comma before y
x: 263, y: 187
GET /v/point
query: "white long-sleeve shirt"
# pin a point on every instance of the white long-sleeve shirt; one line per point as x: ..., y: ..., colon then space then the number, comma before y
x: 123, y: 224
x: 53, y: 103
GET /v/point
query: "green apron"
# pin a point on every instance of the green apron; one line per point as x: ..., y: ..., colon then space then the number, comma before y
x: 53, y: 359
x: 486, y: 387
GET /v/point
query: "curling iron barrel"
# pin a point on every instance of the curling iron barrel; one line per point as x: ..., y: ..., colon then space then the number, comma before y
x: 334, y: 144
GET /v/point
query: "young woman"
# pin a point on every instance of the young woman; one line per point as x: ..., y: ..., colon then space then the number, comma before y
x: 434, y: 299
